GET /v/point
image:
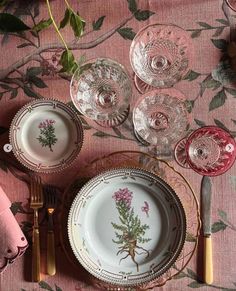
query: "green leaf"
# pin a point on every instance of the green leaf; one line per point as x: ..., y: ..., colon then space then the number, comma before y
x: 101, y: 134
x: 199, y: 122
x: 37, y: 82
x: 189, y: 104
x: 24, y: 45
x: 132, y: 5
x: 33, y: 71
x: 231, y: 91
x: 218, y: 226
x: 3, y: 130
x: 192, y: 75
x: 57, y: 288
x: 218, y: 31
x: 234, y: 121
x: 42, y: 25
x: 190, y: 237
x: 222, y: 214
x: 11, y: 23
x: 179, y: 276
x: 45, y: 285
x: 192, y: 274
x: 195, y: 284
x: 67, y: 61
x: 210, y: 83
x: 204, y: 24
x: 126, y: 33
x: 66, y: 18
x: 3, y: 166
x: 142, y: 15
x: 196, y: 33
x: 117, y: 132
x: 97, y: 24
x: 16, y: 207
x: 220, y: 124
x: 223, y: 21
x: 29, y: 92
x: 76, y: 22
x: 14, y: 93
x: 218, y: 100
x: 220, y: 44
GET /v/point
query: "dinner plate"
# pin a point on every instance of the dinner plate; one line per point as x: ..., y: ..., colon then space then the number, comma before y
x: 126, y: 226
x: 46, y: 135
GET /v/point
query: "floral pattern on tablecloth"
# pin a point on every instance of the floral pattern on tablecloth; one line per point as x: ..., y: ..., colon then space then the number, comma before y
x: 30, y: 69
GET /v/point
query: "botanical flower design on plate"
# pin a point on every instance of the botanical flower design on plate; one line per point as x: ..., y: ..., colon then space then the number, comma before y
x: 130, y: 231
x: 145, y: 208
x: 47, y: 137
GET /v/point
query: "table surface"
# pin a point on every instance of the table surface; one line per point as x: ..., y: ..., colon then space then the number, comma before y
x: 110, y: 27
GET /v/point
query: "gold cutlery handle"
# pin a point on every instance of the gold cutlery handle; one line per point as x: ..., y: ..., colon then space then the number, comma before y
x: 51, y: 261
x: 36, y: 256
x: 207, y: 260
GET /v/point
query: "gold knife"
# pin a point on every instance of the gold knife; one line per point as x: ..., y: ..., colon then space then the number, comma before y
x: 206, y: 198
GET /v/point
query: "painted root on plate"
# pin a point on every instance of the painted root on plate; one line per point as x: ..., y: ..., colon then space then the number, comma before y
x: 130, y: 231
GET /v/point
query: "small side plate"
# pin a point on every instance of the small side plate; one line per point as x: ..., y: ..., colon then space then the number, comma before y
x: 46, y: 135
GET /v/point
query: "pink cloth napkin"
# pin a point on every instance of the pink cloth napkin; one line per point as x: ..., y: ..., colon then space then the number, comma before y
x: 12, y: 241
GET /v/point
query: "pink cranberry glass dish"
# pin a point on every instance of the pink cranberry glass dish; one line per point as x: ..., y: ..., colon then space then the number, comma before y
x: 210, y: 151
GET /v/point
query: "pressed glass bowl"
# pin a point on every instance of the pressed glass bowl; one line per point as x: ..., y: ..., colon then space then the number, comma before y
x: 101, y: 90
x: 161, y: 118
x: 161, y: 55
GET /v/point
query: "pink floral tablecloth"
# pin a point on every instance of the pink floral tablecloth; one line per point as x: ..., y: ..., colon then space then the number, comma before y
x: 29, y: 70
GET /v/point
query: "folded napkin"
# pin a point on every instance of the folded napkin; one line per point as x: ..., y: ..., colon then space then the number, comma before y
x: 12, y: 241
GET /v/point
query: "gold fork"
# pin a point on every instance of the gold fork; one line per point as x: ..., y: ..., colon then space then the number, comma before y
x: 36, y: 202
x: 50, y: 205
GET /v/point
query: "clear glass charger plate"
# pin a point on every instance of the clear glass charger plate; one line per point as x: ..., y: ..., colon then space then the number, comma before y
x: 163, y: 170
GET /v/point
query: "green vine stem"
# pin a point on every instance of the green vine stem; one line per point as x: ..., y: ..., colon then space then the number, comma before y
x: 55, y: 25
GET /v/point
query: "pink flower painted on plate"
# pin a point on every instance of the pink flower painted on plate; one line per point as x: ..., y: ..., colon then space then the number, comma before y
x: 123, y: 196
x: 145, y: 208
x: 46, y: 123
